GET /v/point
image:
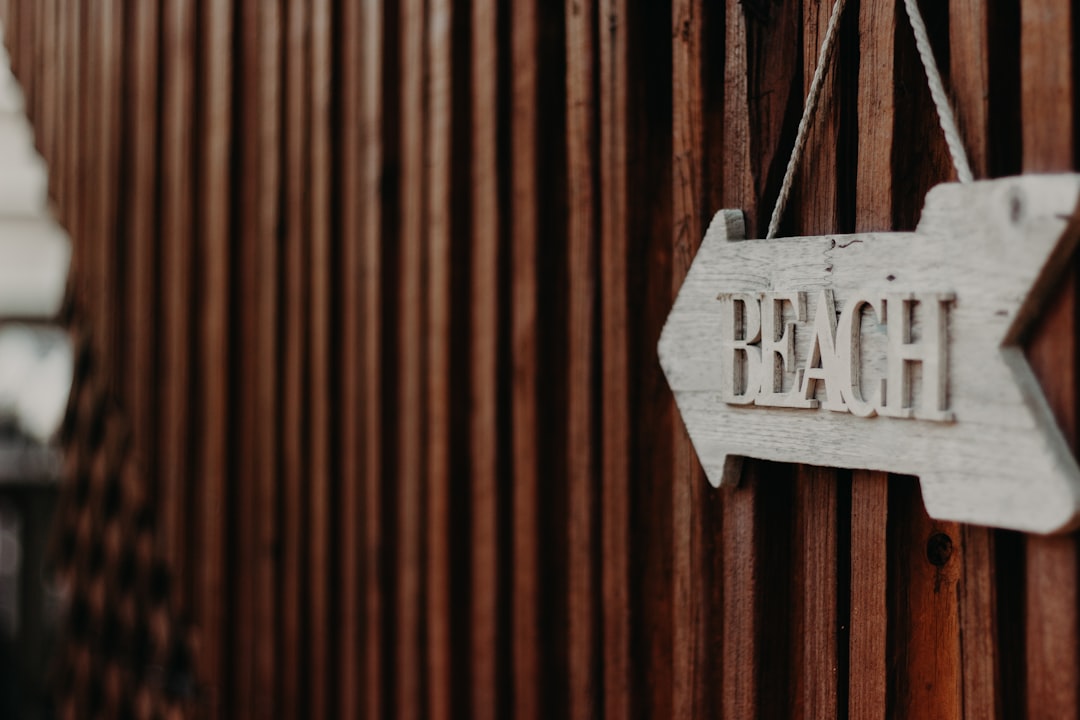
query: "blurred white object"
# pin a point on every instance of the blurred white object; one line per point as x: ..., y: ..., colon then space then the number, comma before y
x: 35, y: 360
x: 36, y: 366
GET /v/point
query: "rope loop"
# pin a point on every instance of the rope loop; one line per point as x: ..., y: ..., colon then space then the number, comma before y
x: 937, y: 93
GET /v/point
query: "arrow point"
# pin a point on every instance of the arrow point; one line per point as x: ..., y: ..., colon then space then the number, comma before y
x: 727, y: 225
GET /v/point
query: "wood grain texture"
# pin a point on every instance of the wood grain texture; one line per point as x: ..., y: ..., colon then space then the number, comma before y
x: 321, y: 369
x: 740, y: 529
x: 869, y: 491
x: 487, y: 228
x: 439, y: 316
x: 371, y: 160
x: 269, y: 133
x: 295, y: 384
x: 215, y: 417
x: 409, y: 332
x: 296, y: 225
x: 615, y: 347
x: 688, y: 197
x: 969, y: 58
x: 965, y: 242
x: 817, y: 508
x: 1052, y: 598
x: 822, y: 595
x: 177, y: 120
x: 926, y: 635
x: 107, y: 73
x: 244, y: 659
x: 869, y: 616
x: 141, y: 227
x: 350, y: 511
x: 524, y: 222
x: 581, y: 461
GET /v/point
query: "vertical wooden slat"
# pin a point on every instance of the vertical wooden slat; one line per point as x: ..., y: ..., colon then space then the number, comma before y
x: 615, y: 382
x: 524, y: 219
x: 739, y: 532
x: 969, y: 65
x: 410, y: 364
x: 112, y: 86
x: 321, y: 417
x: 58, y: 163
x: 580, y: 457
x: 689, y: 608
x: 867, y: 678
x: 1052, y: 597
x: 371, y: 168
x: 351, y: 277
x: 268, y: 133
x: 483, y: 359
x: 818, y: 491
x: 176, y: 282
x: 294, y: 688
x: 869, y: 491
x: 926, y: 563
x: 439, y: 314
x: 215, y: 200
x: 141, y: 205
x: 246, y: 274
x: 47, y: 72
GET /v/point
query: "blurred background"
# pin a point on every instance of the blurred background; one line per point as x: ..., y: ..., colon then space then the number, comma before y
x: 360, y: 318
x: 35, y: 380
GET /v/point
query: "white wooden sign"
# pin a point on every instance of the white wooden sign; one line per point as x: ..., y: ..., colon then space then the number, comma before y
x: 887, y: 351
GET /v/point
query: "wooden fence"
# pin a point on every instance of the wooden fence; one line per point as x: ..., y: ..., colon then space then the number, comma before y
x: 378, y: 286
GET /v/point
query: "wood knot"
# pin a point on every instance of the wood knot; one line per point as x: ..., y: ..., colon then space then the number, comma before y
x: 939, y: 548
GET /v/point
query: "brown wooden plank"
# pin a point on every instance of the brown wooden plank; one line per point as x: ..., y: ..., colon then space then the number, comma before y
x: 740, y: 558
x: 266, y: 616
x: 615, y: 346
x: 969, y: 71
x: 978, y: 618
x: 818, y: 626
x: 438, y: 313
x: 869, y: 617
x: 523, y: 230
x: 215, y: 234
x: 62, y: 52
x: 246, y: 274
x: 817, y: 493
x: 926, y: 561
x: 483, y: 360
x: 179, y: 18
x: 76, y: 65
x: 99, y: 147
x: 294, y: 578
x: 351, y: 453
x: 409, y: 405
x: 47, y: 78
x: 319, y: 368
x: 581, y: 461
x: 869, y: 491
x: 141, y: 218
x: 741, y: 634
x: 688, y: 194
x: 1052, y: 598
x: 371, y: 159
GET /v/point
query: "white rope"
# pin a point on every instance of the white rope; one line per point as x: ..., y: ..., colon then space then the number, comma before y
x: 809, y: 110
x: 937, y: 92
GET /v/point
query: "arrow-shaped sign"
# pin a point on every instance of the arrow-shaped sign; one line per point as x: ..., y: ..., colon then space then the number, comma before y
x: 887, y: 351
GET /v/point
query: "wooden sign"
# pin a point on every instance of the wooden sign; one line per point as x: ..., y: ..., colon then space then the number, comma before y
x: 898, y: 352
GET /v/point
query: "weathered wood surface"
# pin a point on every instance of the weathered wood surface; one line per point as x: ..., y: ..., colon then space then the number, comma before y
x: 978, y: 432
x: 371, y: 195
